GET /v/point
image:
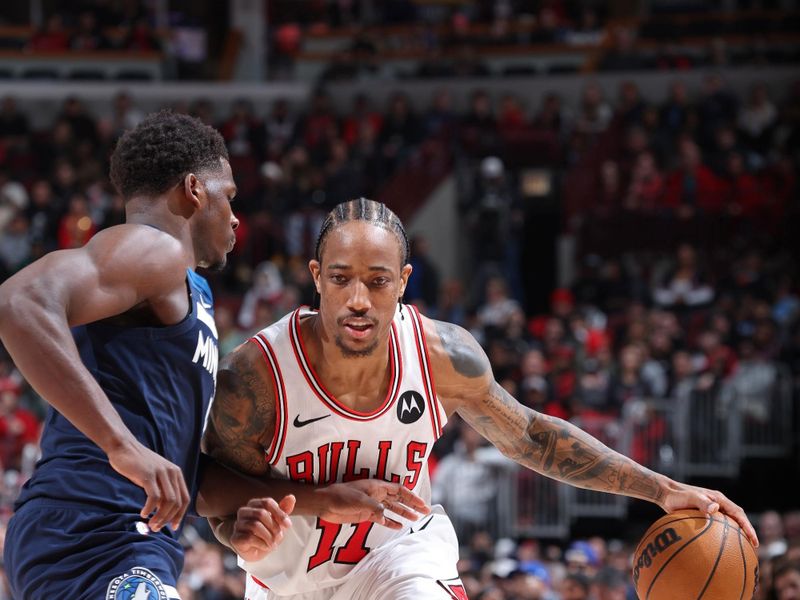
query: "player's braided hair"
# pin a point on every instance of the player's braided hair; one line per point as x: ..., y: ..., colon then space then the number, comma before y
x: 156, y: 154
x: 362, y: 209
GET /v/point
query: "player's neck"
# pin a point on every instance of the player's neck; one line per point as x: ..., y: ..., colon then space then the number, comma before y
x: 352, y: 380
x: 155, y: 214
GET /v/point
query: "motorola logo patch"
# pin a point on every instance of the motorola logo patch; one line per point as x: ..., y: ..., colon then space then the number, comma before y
x: 410, y: 407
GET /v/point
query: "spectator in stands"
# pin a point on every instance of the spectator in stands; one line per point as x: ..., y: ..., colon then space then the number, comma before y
x: 610, y: 584
x: 15, y: 244
x: 595, y: 114
x: 440, y: 120
x: 280, y: 127
x: 76, y: 226
x: 124, y: 115
x: 318, y: 126
x: 593, y: 393
x: 786, y: 578
x: 610, y: 193
x: 582, y: 558
x: 685, y: 285
x: 53, y: 37
x: 202, y: 109
x: 623, y: 55
x: 18, y: 426
x: 692, y: 187
x: 479, y: 131
x: 550, y: 116
x: 14, y: 123
x: 646, y: 185
x: 466, y: 484
x: 81, y: 122
x: 451, y: 303
x: 771, y: 535
x: 43, y: 214
x: 88, y: 35
x: 267, y: 287
x: 400, y: 132
x: 575, y: 586
x: 498, y: 308
x: 13, y: 199
x: 677, y: 112
x: 206, y: 576
x: 361, y: 115
x: 628, y: 383
x: 757, y: 119
x: 718, y: 106
x: 630, y: 105
x: 786, y: 308
x: 140, y: 37
x: 752, y: 385
x: 343, y: 177
x: 493, y: 220
x: 511, y: 117
x: 426, y: 288
x: 744, y: 193
x: 243, y: 132
x: 726, y: 141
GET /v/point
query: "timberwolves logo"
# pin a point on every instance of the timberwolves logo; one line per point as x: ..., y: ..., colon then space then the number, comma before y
x: 410, y: 407
x: 138, y: 584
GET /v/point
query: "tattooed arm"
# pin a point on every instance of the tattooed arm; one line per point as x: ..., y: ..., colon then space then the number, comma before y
x: 236, y: 482
x: 548, y: 445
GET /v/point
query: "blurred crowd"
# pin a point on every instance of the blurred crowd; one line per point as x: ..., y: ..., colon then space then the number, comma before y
x: 686, y: 321
x: 89, y: 26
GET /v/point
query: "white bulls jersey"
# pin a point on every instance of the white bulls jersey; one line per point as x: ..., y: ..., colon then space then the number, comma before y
x: 318, y: 440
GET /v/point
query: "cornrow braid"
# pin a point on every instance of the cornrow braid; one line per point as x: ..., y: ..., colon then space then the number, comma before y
x: 370, y: 211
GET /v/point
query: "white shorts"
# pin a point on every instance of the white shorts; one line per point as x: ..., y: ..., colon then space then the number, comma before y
x: 420, y: 564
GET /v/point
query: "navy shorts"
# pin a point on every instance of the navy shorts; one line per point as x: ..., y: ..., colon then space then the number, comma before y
x: 59, y: 550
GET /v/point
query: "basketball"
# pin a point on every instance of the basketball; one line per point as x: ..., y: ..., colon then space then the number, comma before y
x: 689, y: 554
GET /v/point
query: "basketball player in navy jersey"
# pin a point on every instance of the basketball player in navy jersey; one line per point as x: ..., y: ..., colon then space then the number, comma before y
x: 362, y: 388
x: 119, y: 338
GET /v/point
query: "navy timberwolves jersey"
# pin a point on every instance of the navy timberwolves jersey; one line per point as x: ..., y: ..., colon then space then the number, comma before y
x: 160, y: 380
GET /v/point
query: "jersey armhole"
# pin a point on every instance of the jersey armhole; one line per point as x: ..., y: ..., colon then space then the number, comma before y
x: 275, y: 449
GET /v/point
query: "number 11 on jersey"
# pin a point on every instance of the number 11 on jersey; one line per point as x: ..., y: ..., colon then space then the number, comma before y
x: 350, y: 553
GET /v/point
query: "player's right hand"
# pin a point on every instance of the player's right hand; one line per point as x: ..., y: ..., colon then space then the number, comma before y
x: 162, y: 481
x: 368, y: 500
x: 260, y: 525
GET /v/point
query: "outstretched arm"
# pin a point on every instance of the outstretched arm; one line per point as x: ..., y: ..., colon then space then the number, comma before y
x: 549, y: 445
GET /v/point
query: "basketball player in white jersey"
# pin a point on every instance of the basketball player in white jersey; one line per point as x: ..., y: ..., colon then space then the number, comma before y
x: 361, y: 389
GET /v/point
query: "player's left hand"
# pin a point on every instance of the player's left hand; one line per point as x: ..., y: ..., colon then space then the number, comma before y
x: 260, y: 525
x: 681, y: 495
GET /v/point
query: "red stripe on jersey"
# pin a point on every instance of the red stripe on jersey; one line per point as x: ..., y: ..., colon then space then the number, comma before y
x: 281, y: 410
x: 310, y: 375
x: 429, y: 371
x: 423, y: 359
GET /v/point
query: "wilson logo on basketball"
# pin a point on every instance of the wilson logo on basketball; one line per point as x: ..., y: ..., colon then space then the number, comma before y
x: 661, y: 542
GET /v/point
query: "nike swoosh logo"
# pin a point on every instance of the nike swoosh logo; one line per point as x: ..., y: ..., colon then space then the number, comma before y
x: 424, y: 525
x: 299, y: 423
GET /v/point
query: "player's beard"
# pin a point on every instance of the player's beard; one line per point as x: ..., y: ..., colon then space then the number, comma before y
x: 350, y: 353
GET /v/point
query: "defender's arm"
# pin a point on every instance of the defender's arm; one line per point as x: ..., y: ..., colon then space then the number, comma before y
x: 119, y: 269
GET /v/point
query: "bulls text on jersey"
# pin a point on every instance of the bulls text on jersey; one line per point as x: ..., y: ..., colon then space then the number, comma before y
x: 336, y: 461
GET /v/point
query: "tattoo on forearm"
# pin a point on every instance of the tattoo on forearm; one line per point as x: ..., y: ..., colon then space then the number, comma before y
x: 466, y: 356
x: 241, y: 414
x: 559, y: 449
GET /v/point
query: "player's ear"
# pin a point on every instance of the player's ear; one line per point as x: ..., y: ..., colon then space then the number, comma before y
x: 316, y: 270
x: 405, y: 273
x: 192, y: 190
